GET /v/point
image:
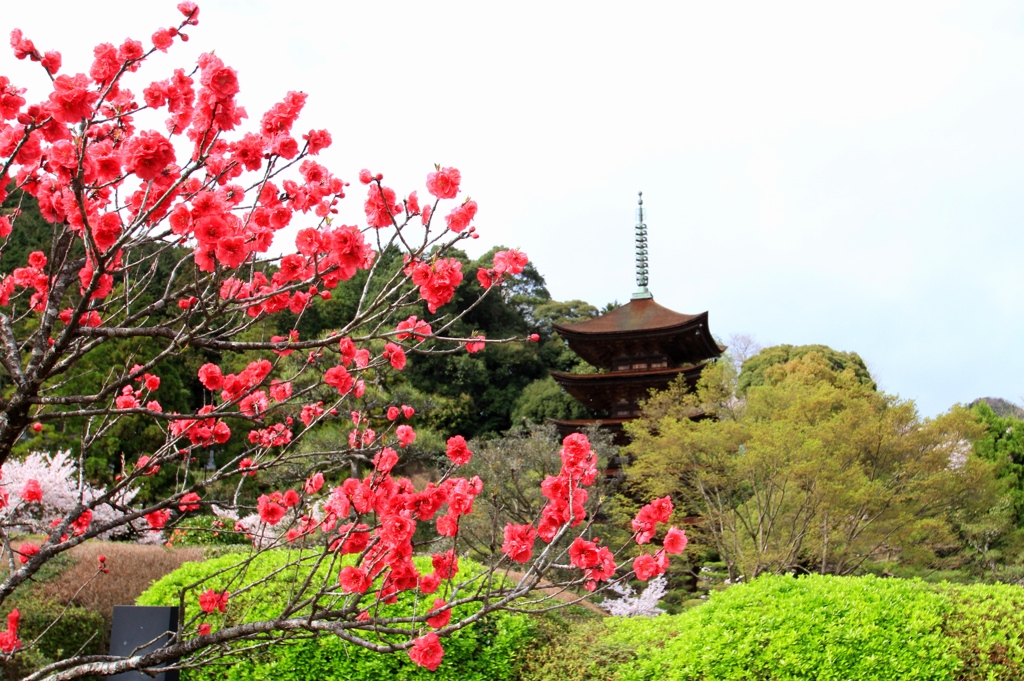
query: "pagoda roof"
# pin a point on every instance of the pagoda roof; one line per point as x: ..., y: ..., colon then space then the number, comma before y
x: 642, y: 327
x: 635, y: 316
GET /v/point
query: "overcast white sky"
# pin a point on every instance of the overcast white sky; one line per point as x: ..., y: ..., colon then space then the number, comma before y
x: 848, y: 174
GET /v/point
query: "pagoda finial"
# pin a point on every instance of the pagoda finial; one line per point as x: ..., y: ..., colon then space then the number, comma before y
x: 641, y: 251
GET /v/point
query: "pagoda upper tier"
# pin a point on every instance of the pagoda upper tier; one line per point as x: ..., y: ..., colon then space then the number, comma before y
x: 640, y: 336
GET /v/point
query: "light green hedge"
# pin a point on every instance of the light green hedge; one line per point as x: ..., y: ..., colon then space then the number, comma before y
x: 490, y: 649
x: 810, y: 628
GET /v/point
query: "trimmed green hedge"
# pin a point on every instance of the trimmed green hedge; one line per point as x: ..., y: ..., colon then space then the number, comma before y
x: 810, y: 628
x: 489, y: 649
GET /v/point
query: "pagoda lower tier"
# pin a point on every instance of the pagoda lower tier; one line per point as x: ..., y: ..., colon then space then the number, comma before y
x: 618, y: 394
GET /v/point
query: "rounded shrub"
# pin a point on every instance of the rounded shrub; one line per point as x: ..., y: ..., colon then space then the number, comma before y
x: 489, y: 649
x: 815, y: 627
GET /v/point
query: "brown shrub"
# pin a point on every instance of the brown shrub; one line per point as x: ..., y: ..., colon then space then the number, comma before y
x: 133, y: 568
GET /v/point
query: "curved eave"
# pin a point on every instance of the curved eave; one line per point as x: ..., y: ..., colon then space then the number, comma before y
x: 626, y: 377
x: 611, y: 391
x: 636, y: 315
x: 581, y: 331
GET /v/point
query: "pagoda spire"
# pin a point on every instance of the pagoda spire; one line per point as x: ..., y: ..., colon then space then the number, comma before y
x: 641, y: 251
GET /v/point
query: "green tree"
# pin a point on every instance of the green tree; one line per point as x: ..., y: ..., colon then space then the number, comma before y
x: 544, y: 399
x: 755, y: 368
x: 1002, y: 443
x: 815, y: 471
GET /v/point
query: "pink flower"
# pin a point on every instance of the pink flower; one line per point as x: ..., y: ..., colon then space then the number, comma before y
x: 661, y: 509
x: 437, y: 282
x: 163, y: 39
x: 584, y: 554
x: 339, y: 378
x: 26, y: 551
x: 80, y: 525
x: 441, y: 615
x: 191, y: 12
x: 204, y: 629
x: 447, y: 525
x: 188, y: 502
x: 675, y: 541
x: 231, y: 251
x: 396, y: 355
x: 211, y: 600
x: 280, y: 391
x: 646, y: 566
x: 519, y: 540
x: 385, y: 460
x: 427, y: 652
x: 106, y: 230
x: 149, y: 154
x: 460, y: 217
x: 270, y: 511
x: 354, y: 580
x: 356, y: 541
x: 381, y: 206
x: 9, y: 638
x: 144, y: 467
x: 457, y: 450
x: 429, y: 583
x: 476, y: 346
x: 484, y: 277
x: 444, y: 183
x: 314, y: 483
x: 71, y: 99
x: 317, y: 140
x: 510, y: 262
x: 211, y: 377
x: 419, y: 328
x: 577, y: 456
x: 408, y: 411
x: 393, y: 413
x: 31, y: 491
x: 51, y: 61
x: 605, y: 570
x: 157, y: 519
x: 405, y: 434
x: 446, y: 564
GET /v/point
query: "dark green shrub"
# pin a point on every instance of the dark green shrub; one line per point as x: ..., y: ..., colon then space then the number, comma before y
x: 68, y: 632
x: 62, y: 631
x: 577, y: 648
x: 490, y: 649
x: 988, y: 622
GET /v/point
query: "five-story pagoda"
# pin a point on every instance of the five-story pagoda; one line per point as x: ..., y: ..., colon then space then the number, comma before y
x: 639, y: 346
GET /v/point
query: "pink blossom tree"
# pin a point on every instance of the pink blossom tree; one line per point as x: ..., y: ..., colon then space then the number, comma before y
x: 125, y: 170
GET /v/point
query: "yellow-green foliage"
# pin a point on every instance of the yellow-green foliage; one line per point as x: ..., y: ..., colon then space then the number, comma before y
x: 489, y: 649
x: 815, y: 470
x: 814, y: 628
